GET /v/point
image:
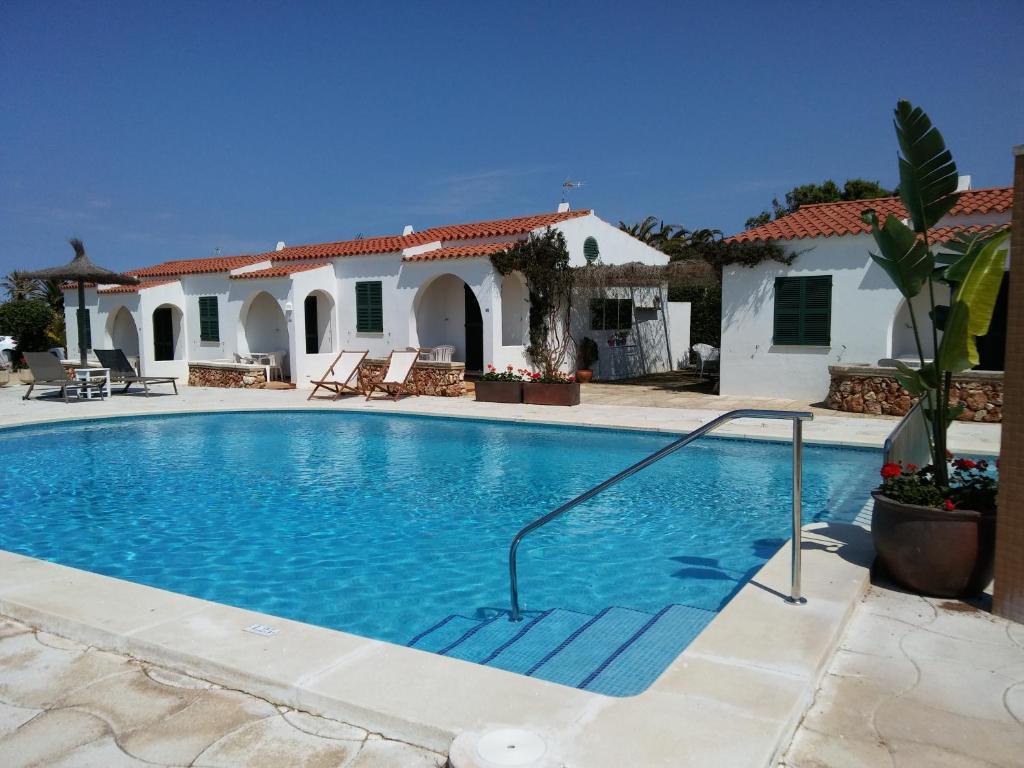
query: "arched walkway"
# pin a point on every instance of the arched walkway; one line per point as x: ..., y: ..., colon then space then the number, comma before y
x: 903, y: 344
x: 263, y: 326
x: 168, y: 340
x: 318, y: 314
x: 123, y: 333
x: 446, y: 311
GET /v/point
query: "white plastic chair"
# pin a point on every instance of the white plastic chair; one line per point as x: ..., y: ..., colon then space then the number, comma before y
x: 707, y: 354
x: 443, y: 353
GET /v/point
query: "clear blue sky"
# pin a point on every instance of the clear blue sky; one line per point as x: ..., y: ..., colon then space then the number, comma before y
x: 164, y: 130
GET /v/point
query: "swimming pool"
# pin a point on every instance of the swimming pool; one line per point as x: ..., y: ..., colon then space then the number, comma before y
x: 397, y: 527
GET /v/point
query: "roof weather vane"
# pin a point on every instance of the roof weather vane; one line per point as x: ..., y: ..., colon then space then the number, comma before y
x: 568, y: 185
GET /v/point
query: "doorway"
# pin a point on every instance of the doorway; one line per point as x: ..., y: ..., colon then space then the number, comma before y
x: 474, y: 332
x: 163, y: 334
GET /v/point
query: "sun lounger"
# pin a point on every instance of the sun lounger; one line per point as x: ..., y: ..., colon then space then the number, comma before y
x: 398, y: 374
x: 337, y: 379
x: 48, y: 372
x: 122, y: 372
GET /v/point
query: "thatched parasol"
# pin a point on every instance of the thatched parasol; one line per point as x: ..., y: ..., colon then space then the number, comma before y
x: 82, y: 270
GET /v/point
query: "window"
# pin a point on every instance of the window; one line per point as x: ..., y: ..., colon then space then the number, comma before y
x: 803, y: 310
x: 209, y: 320
x: 590, y: 250
x: 87, y: 329
x: 369, y: 309
x: 611, y: 314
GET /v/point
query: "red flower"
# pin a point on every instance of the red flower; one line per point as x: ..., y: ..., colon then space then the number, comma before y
x: 490, y: 367
x: 964, y: 464
x: 948, y: 504
x: 891, y: 470
x: 911, y: 468
x: 535, y: 376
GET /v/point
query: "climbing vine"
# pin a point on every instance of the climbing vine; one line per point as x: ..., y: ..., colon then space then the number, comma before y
x: 543, y: 260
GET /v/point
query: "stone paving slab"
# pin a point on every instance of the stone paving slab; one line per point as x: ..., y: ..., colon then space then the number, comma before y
x: 918, y: 683
x: 67, y: 704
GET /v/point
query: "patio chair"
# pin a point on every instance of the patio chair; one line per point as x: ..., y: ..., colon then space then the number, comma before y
x: 399, y: 373
x: 338, y: 376
x: 709, y: 356
x: 48, y: 372
x: 443, y: 353
x: 122, y: 371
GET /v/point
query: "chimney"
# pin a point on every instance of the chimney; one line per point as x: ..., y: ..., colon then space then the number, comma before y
x: 963, y: 183
x: 563, y: 207
x: 280, y: 245
x: 407, y: 230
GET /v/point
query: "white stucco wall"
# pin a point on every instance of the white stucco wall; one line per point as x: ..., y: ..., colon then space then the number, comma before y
x: 679, y: 332
x: 615, y: 246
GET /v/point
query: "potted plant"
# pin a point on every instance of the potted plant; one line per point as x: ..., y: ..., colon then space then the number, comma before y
x: 551, y: 389
x: 934, y: 540
x: 934, y: 534
x: 500, y: 386
x: 586, y: 356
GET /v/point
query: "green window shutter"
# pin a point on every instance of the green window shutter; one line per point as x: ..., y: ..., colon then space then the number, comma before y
x: 87, y: 330
x: 209, y: 319
x: 803, y: 310
x: 369, y: 308
x: 590, y: 250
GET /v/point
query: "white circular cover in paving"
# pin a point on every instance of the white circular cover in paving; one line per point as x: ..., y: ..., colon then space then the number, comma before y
x: 498, y: 748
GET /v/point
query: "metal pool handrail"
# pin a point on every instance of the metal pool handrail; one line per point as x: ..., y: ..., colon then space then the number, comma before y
x: 797, y: 417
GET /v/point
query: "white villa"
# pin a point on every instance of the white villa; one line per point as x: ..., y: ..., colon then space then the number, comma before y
x: 783, y: 327
x: 417, y: 289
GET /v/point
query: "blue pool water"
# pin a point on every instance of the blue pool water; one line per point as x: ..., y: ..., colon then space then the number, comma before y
x: 397, y: 527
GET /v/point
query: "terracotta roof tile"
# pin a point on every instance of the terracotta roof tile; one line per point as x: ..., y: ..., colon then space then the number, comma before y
x: 135, y: 288
x: 280, y: 270
x: 361, y: 247
x: 830, y: 219
x: 196, y: 266
x: 460, y: 251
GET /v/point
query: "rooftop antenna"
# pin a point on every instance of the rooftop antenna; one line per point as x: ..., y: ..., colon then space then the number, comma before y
x: 216, y: 252
x: 569, y: 185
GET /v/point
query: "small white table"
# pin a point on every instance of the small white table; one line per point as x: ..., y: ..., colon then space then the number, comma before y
x: 87, y: 375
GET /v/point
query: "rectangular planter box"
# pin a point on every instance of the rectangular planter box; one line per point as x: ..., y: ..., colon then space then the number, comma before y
x: 551, y: 394
x: 499, y: 391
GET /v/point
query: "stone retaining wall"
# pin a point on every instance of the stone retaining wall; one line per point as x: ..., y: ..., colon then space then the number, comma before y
x: 866, y: 389
x: 230, y: 377
x: 438, y: 379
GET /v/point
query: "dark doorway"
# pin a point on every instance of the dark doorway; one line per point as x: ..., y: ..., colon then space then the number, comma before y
x: 474, y: 332
x: 312, y: 342
x: 163, y: 334
x: 992, y: 346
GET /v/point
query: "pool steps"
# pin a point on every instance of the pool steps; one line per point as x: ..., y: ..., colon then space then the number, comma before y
x: 617, y: 652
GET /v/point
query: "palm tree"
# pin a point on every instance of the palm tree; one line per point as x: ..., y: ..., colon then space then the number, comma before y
x: 18, y: 286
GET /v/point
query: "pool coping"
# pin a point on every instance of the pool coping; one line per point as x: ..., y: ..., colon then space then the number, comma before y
x: 733, y: 697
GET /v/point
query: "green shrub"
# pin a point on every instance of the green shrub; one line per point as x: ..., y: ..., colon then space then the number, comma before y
x: 29, y: 322
x: 705, y: 311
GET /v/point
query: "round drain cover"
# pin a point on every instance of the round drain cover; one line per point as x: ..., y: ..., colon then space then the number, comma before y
x: 510, y: 747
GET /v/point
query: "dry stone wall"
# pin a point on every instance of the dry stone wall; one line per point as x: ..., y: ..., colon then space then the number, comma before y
x: 865, y: 389
x: 438, y: 379
x: 230, y: 378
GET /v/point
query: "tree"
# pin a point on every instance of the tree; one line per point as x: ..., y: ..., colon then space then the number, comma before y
x: 543, y: 260
x: 18, y: 287
x: 826, y: 192
x: 29, y: 322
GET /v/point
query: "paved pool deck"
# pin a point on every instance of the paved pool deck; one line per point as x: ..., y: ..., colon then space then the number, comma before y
x: 734, y: 697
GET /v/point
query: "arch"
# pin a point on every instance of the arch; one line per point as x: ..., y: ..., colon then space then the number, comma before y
x: 318, y: 321
x: 515, y: 311
x: 122, y: 331
x: 446, y: 310
x: 262, y: 325
x: 168, y: 339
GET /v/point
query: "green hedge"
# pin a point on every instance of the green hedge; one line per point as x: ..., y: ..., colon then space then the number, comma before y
x: 705, y: 311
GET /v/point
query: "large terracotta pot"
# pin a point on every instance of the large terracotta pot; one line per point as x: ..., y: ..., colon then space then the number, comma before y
x: 584, y: 375
x: 936, y: 552
x: 536, y: 393
x: 499, y: 391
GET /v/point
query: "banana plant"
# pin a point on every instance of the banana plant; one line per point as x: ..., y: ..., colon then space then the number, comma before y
x: 974, y: 272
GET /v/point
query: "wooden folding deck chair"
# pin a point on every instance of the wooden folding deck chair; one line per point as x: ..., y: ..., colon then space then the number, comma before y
x: 399, y: 373
x: 338, y: 376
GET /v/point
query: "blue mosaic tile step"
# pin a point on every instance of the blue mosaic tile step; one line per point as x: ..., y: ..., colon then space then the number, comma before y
x: 640, y: 661
x: 572, y: 662
x: 443, y: 634
x: 535, y: 640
